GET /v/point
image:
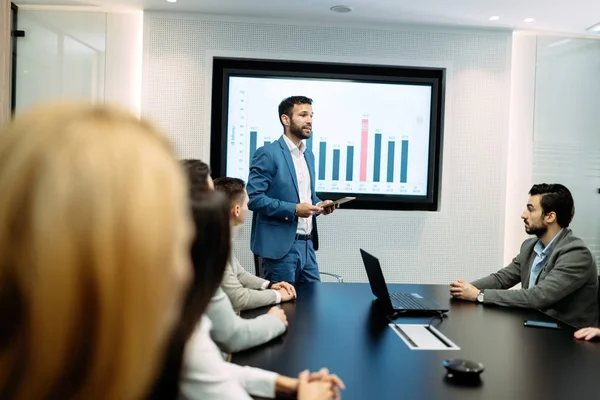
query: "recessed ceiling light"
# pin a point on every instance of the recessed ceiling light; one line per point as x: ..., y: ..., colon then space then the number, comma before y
x: 528, y: 20
x: 594, y: 28
x: 341, y: 9
x: 494, y: 18
x: 172, y: 1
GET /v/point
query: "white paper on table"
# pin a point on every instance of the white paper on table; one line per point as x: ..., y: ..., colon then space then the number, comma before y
x: 423, y: 337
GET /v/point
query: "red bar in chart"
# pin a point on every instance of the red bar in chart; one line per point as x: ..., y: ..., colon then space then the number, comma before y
x: 363, y: 149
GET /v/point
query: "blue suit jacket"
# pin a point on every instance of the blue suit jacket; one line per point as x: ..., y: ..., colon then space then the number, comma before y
x: 273, y: 192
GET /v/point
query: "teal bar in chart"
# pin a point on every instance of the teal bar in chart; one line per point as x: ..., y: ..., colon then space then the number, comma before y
x: 377, y: 158
x: 336, y: 165
x: 322, y: 158
x: 404, y: 162
x: 390, y: 165
x: 349, y: 163
x: 253, y: 140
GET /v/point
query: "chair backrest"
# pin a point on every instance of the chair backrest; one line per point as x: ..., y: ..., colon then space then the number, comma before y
x: 258, y: 266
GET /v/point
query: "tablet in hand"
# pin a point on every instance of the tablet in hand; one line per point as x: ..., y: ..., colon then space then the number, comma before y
x: 337, y: 202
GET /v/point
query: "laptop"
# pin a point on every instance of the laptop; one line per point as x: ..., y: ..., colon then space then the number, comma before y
x: 395, y: 301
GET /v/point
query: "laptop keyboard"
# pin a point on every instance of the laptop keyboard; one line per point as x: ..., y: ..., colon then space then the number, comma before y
x: 405, y: 300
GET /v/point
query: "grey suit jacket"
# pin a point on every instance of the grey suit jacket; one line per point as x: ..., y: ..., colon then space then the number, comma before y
x: 245, y: 291
x: 567, y: 286
x: 233, y: 333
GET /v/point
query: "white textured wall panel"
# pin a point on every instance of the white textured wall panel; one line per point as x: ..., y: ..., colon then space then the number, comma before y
x: 566, y: 147
x: 465, y: 239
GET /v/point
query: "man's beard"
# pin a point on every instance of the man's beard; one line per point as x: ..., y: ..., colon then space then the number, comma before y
x: 538, y: 230
x: 298, y: 131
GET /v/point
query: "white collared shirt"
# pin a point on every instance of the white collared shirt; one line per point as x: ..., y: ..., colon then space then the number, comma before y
x: 541, y: 253
x: 303, y: 177
x: 206, y: 375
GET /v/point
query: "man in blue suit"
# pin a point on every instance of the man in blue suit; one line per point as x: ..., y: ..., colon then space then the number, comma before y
x: 281, y: 188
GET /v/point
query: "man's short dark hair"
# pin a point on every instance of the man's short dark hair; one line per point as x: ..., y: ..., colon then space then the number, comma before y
x: 555, y: 197
x: 233, y: 188
x: 198, y: 173
x: 287, y: 105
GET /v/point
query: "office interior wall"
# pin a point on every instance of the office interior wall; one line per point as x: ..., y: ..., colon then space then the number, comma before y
x: 566, y: 141
x: 123, y: 84
x: 413, y: 246
x: 60, y: 57
x: 520, y: 141
x: 463, y: 240
x: 92, y: 56
x: 5, y: 57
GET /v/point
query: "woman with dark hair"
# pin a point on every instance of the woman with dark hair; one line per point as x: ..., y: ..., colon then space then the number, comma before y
x: 229, y: 331
x: 210, y: 250
x: 198, y: 173
x: 194, y: 367
x: 205, y: 375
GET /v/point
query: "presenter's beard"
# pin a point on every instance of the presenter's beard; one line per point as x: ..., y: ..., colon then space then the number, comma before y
x: 299, y: 131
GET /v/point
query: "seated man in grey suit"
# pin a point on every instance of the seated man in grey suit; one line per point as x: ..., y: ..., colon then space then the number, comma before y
x: 556, y: 270
x: 229, y: 331
x: 246, y: 291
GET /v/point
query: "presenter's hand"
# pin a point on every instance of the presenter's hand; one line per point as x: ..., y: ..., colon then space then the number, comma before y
x: 285, y: 295
x: 306, y: 210
x: 587, y: 333
x: 284, y: 285
x: 278, y: 312
x: 327, y: 206
x: 463, y: 290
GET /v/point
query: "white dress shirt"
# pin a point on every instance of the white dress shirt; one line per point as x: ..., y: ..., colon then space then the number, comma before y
x: 207, y: 376
x: 303, y: 177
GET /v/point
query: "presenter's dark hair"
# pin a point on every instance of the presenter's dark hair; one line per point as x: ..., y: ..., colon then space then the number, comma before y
x: 555, y: 198
x: 287, y: 105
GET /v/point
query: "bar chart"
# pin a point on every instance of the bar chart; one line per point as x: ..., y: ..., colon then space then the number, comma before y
x: 372, y: 146
x: 383, y: 165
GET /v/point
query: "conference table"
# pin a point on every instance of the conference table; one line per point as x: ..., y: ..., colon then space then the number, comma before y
x: 340, y: 326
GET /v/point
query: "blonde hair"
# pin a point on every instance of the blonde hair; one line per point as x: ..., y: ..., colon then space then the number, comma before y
x: 92, y: 265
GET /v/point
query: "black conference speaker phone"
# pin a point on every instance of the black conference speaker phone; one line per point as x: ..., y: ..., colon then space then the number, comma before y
x: 461, y: 371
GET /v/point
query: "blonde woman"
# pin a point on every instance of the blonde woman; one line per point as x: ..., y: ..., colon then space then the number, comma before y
x: 94, y: 253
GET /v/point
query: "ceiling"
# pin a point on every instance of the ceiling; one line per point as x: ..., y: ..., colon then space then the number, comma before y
x: 560, y: 16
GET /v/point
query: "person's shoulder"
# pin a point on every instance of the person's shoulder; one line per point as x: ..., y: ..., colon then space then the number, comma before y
x: 571, y: 242
x: 569, y: 238
x: 570, y: 247
x: 267, y: 152
x: 202, y: 329
x: 229, y: 265
x: 218, y: 296
x: 271, y: 147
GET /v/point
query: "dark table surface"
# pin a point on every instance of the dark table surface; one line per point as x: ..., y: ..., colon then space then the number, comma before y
x: 341, y: 327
